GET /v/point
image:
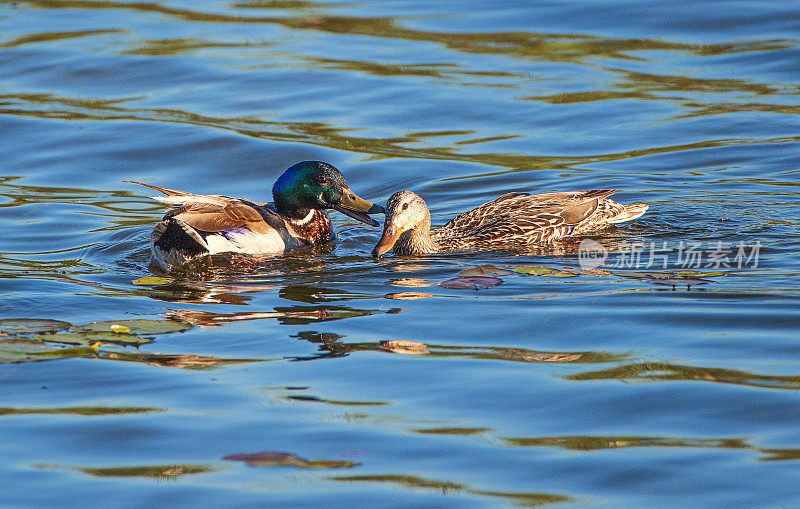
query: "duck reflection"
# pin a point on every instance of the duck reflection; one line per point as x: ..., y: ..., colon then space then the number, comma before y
x: 167, y: 360
x: 201, y: 292
x: 661, y: 371
x: 331, y: 346
x: 198, y: 296
x: 238, y: 293
x: 313, y: 294
x: 524, y: 499
x: 292, y: 315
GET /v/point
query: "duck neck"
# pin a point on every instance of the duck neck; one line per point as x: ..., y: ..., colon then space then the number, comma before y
x: 289, y: 206
x: 417, y: 240
x: 288, y: 194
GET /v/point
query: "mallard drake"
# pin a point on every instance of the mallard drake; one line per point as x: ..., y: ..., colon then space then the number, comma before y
x: 198, y: 225
x: 513, y: 221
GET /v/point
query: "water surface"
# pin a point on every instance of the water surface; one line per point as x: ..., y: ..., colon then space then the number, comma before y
x: 318, y: 377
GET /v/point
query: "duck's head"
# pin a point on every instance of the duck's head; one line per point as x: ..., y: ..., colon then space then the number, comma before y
x: 405, y: 211
x: 317, y: 185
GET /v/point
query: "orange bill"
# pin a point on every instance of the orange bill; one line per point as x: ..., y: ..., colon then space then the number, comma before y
x: 389, y: 237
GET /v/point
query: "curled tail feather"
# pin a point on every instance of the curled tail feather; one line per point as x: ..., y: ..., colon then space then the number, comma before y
x: 631, y: 211
x: 167, y: 191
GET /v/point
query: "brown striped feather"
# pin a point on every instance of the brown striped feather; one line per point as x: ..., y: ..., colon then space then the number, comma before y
x: 514, y: 220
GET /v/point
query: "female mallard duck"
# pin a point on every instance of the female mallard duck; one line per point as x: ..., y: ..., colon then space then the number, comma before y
x: 198, y: 225
x: 513, y: 221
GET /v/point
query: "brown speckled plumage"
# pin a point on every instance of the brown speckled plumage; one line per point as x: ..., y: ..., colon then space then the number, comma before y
x: 513, y: 221
x: 317, y: 230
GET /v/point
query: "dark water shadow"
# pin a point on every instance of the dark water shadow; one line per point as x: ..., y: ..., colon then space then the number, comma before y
x: 284, y: 459
x: 665, y: 372
x: 172, y: 471
x: 413, y: 482
x: 586, y: 443
x: 40, y: 37
x: 89, y: 411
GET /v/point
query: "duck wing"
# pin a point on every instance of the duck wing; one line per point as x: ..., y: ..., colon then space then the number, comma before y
x: 212, y: 217
x: 486, y: 213
x: 216, y: 213
x: 520, y: 218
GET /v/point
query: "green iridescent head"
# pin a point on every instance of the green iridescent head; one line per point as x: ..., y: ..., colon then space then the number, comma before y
x: 317, y: 185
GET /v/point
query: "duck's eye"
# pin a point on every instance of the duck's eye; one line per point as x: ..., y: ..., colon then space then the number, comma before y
x: 323, y: 181
x: 405, y: 206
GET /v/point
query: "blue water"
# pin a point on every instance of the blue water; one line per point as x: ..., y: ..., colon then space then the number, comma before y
x: 605, y: 388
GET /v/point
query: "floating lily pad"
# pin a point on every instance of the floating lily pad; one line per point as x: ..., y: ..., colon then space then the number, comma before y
x: 408, y: 295
x: 89, y: 337
x: 471, y: 282
x: 12, y: 351
x: 596, y: 272
x: 21, y: 351
x: 536, y: 271
x: 141, y: 326
x: 153, y: 281
x: 30, y: 325
x: 691, y: 273
x: 485, y: 270
x: 561, y: 273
